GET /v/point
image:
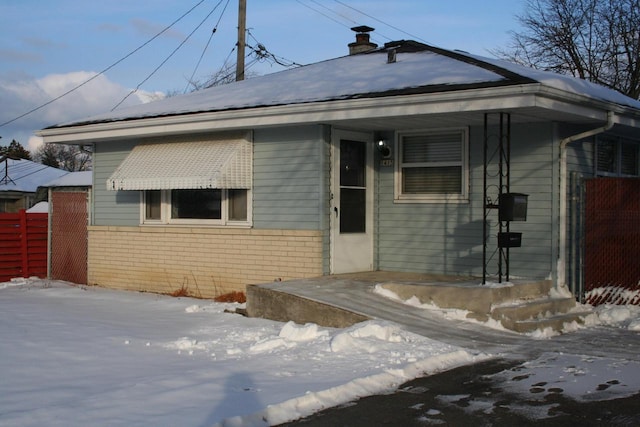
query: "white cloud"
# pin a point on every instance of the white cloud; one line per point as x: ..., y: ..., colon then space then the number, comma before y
x: 21, y: 93
x: 34, y: 143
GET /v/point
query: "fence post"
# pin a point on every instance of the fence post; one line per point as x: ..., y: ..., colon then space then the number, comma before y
x: 24, y: 242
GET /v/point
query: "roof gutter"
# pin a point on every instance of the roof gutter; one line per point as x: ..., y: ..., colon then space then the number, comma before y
x: 562, y: 252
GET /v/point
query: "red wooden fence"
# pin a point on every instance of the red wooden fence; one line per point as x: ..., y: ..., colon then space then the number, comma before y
x: 23, y: 245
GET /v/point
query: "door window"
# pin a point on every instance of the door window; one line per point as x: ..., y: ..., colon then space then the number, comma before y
x: 352, y: 187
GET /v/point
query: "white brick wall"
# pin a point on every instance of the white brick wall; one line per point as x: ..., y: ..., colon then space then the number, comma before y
x: 206, y: 261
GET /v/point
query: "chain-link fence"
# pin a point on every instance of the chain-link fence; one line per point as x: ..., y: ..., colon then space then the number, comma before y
x: 69, y: 236
x: 612, y: 240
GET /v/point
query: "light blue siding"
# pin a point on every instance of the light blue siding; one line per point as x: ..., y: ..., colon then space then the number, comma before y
x: 446, y: 238
x: 290, y: 184
x: 119, y: 208
x: 290, y: 179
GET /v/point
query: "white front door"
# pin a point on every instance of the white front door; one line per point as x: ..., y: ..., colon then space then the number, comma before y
x: 352, y: 202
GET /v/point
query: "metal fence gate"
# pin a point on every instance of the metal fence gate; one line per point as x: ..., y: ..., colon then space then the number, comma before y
x: 612, y: 241
x: 69, y: 219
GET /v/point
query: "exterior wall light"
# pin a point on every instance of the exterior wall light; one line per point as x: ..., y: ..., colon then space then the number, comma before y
x: 384, y: 149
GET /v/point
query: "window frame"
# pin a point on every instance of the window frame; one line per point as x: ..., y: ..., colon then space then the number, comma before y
x: 166, y: 211
x: 463, y: 163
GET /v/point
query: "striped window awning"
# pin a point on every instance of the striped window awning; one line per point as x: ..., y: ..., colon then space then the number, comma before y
x: 221, y: 164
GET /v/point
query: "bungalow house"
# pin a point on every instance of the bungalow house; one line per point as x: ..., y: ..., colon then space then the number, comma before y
x: 398, y: 158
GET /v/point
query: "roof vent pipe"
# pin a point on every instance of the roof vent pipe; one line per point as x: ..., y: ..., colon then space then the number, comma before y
x: 362, y: 43
x: 391, y: 56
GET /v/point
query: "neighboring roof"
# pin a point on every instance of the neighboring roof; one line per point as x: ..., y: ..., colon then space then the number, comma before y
x: 72, y: 179
x: 418, y: 69
x: 26, y: 176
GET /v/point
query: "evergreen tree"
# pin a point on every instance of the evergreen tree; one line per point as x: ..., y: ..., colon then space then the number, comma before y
x: 15, y: 150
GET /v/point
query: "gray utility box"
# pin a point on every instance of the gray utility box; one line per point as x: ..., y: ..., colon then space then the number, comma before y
x: 512, y: 207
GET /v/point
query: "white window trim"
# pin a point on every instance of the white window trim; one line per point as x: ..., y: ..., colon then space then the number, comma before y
x: 165, y: 213
x: 463, y: 197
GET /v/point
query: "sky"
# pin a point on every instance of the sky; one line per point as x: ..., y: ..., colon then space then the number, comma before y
x: 48, y: 48
x: 85, y: 355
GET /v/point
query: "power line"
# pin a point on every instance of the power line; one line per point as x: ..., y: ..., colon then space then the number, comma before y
x: 103, y: 71
x: 380, y: 21
x: 263, y: 53
x: 340, y: 15
x: 323, y: 14
x: 205, y: 48
x: 346, y: 18
x: 168, y: 57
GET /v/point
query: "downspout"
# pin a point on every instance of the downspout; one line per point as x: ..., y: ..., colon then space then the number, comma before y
x: 562, y: 252
x: 49, y: 223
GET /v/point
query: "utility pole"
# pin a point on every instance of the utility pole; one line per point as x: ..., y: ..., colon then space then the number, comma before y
x: 242, y: 24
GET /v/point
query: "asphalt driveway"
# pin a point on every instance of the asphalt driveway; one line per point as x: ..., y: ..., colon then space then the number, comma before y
x: 475, y: 396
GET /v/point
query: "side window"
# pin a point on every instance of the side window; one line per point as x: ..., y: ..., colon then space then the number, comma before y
x: 196, y: 206
x: 606, y: 156
x: 617, y: 157
x: 152, y: 205
x: 629, y: 164
x: 238, y: 202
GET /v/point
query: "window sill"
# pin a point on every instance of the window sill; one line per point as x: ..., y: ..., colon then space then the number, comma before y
x: 194, y: 225
x: 432, y: 200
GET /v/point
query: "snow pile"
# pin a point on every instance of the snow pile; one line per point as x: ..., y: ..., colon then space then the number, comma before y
x: 621, y: 316
x: 40, y: 207
x: 78, y: 356
x: 16, y: 281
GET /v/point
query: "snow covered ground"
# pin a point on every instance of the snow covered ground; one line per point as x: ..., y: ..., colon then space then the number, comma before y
x: 77, y: 356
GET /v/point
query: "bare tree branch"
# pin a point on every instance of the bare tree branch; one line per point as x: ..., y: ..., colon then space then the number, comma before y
x: 596, y: 40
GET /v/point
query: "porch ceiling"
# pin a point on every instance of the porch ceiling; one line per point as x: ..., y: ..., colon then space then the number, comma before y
x: 474, y: 118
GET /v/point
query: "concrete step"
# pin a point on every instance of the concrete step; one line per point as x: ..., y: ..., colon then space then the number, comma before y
x: 537, y: 314
x: 521, y: 291
x: 531, y: 309
x: 555, y: 322
x: 475, y: 298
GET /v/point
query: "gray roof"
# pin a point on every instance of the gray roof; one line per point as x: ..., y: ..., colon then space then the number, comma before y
x: 418, y: 69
